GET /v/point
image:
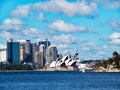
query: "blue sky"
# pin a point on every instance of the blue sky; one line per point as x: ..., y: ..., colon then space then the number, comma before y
x: 91, y: 26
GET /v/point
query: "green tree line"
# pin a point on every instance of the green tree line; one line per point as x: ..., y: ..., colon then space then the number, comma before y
x: 15, y: 66
x: 114, y: 60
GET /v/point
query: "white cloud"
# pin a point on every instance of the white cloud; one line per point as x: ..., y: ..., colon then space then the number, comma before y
x: 85, y: 48
x: 89, y: 47
x: 11, y: 24
x: 66, y: 39
x: 60, y: 25
x: 110, y: 4
x: 13, y: 21
x: 14, y: 27
x: 115, y: 4
x: 89, y: 44
x: 115, y: 24
x: 41, y: 17
x: 101, y: 52
x: 105, y: 47
x: 69, y: 8
x: 57, y: 6
x: 115, y: 41
x: 30, y: 31
x: 90, y: 50
x: 5, y: 34
x: 21, y: 11
x: 2, y: 46
x: 114, y: 35
x: 115, y: 38
x: 62, y: 46
x: 99, y: 1
x: 36, y: 34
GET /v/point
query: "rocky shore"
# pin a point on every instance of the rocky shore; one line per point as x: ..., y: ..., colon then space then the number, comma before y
x: 110, y: 65
x: 110, y: 68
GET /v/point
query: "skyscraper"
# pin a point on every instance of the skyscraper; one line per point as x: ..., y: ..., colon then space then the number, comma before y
x: 52, y: 54
x: 22, y: 53
x: 38, y: 59
x: 28, y: 51
x: 13, y: 55
x: 34, y: 49
x: 22, y: 50
x: 43, y: 52
x: 46, y: 43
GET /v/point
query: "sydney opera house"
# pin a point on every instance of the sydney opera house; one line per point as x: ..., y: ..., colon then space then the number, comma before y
x: 65, y: 61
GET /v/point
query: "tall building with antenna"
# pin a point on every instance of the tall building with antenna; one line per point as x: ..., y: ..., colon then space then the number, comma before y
x: 46, y: 43
x: 43, y: 52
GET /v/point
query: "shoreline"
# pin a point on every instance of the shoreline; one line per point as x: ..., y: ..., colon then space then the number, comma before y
x: 16, y: 70
x: 35, y: 70
x: 56, y: 71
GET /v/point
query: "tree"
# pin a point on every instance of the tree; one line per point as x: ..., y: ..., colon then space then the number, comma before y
x: 115, y: 54
x: 116, y: 58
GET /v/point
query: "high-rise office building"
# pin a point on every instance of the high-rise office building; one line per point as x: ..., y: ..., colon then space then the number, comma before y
x: 13, y: 54
x: 46, y: 43
x: 22, y: 50
x: 28, y: 51
x: 22, y: 53
x: 52, y: 54
x: 34, y: 49
x: 38, y: 60
x: 43, y: 51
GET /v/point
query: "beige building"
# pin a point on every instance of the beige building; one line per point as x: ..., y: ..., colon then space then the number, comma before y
x: 38, y: 60
x: 22, y: 53
x: 43, y: 51
x: 52, y: 54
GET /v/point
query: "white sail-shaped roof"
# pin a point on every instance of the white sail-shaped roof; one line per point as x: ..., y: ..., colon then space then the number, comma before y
x: 52, y: 65
x: 65, y: 60
x: 71, y: 63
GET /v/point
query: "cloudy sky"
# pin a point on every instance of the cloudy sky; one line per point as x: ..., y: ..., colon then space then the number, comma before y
x: 91, y: 26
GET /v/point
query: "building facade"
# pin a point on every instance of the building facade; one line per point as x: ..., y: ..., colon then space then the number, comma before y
x: 52, y: 54
x: 38, y: 60
x: 28, y: 51
x: 43, y: 52
x: 13, y: 53
x: 3, y: 55
x: 22, y: 53
x: 34, y: 49
x: 46, y: 43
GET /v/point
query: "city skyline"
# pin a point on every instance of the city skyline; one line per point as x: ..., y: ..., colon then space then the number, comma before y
x: 90, y: 26
x: 24, y: 51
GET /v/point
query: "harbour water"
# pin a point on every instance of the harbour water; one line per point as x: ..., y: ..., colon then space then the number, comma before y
x: 59, y: 80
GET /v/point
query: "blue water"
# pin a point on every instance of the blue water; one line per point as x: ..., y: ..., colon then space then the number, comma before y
x: 73, y: 80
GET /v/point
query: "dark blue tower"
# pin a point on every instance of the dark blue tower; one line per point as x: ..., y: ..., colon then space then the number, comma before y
x: 13, y: 55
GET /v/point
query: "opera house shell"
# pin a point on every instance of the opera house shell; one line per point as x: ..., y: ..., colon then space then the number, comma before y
x: 65, y: 61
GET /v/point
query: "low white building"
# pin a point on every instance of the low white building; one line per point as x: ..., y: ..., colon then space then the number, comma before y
x: 3, y: 55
